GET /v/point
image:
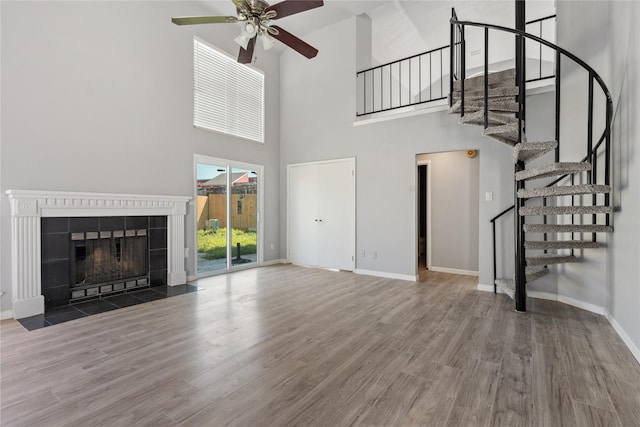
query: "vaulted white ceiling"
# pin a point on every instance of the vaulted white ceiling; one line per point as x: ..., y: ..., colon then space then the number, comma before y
x: 402, y: 28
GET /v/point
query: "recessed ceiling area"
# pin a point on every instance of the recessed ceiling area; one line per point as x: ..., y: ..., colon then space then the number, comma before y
x: 401, y: 28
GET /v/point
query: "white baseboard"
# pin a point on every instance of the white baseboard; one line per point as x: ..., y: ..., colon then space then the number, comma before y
x: 386, y: 275
x: 625, y: 338
x: 28, y: 307
x: 7, y: 314
x: 486, y: 288
x: 455, y: 271
x: 581, y: 304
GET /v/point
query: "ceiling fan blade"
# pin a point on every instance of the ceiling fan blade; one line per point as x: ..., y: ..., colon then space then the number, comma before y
x: 246, y: 55
x: 191, y: 20
x: 291, y: 7
x: 293, y: 42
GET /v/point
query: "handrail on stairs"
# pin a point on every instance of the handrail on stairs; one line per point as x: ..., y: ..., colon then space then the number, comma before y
x: 458, y: 54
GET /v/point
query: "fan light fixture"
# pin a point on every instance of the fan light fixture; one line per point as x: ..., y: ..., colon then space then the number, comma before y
x: 248, y: 32
x: 267, y: 41
x: 255, y: 17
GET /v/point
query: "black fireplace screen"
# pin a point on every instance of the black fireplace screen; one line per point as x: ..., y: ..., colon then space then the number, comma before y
x: 107, y: 260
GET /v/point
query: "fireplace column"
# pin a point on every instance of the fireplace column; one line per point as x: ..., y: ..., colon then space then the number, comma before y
x: 25, y: 259
x: 176, y: 273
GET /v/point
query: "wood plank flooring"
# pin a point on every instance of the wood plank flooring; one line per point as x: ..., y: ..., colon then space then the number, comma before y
x: 290, y: 346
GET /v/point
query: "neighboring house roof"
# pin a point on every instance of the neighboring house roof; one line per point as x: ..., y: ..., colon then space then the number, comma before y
x: 222, y: 179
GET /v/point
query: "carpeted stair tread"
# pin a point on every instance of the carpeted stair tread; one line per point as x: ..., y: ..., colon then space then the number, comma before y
x: 567, y: 228
x: 508, y: 285
x: 500, y: 105
x: 477, y: 118
x: 563, y: 190
x: 548, y: 259
x: 505, y: 139
x: 510, y: 129
x: 553, y: 169
x: 534, y: 273
x: 473, y: 93
x: 504, y: 78
x: 564, y: 210
x: 528, y: 151
x: 562, y: 244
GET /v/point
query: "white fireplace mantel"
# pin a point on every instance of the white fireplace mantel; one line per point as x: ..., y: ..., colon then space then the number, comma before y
x: 28, y: 206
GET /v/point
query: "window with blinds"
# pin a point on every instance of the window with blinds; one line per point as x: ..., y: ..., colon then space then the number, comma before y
x: 228, y: 97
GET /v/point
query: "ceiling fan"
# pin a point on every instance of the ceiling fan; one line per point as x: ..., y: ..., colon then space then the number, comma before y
x: 256, y: 17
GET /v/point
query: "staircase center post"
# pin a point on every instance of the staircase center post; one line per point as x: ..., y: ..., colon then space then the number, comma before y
x: 520, y: 260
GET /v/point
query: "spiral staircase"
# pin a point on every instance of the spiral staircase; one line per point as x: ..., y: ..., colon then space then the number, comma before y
x: 574, y: 207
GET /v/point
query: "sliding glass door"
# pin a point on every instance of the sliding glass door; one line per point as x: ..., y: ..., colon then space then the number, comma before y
x: 227, y: 215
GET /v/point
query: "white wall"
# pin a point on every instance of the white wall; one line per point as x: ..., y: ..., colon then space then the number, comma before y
x: 614, y: 54
x: 97, y: 96
x: 454, y: 210
x: 317, y: 116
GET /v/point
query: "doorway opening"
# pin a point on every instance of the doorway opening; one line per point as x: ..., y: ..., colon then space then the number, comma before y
x: 447, y: 212
x: 228, y: 207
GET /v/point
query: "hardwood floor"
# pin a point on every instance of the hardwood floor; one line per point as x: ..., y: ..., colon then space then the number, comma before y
x: 285, y: 345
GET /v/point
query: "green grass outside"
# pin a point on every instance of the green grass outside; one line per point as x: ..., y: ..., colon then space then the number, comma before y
x: 214, y: 244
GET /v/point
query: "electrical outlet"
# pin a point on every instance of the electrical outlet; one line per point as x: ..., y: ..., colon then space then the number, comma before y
x: 374, y: 255
x: 186, y: 252
x: 272, y: 246
x: 488, y: 196
x: 363, y: 253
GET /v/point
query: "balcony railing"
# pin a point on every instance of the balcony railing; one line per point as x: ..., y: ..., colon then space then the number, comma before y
x: 403, y: 83
x: 423, y: 78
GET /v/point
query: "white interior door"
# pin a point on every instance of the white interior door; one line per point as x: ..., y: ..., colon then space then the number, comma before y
x: 336, y: 215
x: 303, y: 214
x: 321, y: 214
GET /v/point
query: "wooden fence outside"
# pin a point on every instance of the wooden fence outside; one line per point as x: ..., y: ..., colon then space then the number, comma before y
x: 243, y: 210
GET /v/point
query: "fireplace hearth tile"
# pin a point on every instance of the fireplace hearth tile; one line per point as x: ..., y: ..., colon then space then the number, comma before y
x: 178, y: 290
x: 34, y: 322
x: 123, y: 300
x: 62, y: 314
x: 95, y: 306
x: 148, y: 295
x: 108, y: 303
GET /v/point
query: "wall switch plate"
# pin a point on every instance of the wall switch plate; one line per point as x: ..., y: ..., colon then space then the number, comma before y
x: 488, y: 196
x: 363, y: 253
x: 272, y: 246
x: 186, y: 252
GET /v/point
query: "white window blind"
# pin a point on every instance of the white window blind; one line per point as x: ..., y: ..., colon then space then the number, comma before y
x: 228, y: 97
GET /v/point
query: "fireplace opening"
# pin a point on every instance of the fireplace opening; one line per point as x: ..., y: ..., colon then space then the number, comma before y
x: 88, y: 257
x: 108, y: 261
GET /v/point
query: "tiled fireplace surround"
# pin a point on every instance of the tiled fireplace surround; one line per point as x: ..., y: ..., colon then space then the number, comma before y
x: 28, y: 207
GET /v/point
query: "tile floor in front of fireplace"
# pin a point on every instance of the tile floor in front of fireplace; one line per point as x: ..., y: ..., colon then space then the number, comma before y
x: 107, y: 303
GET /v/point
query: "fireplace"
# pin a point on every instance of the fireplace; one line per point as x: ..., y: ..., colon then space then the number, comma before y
x: 73, y: 246
x: 87, y: 257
